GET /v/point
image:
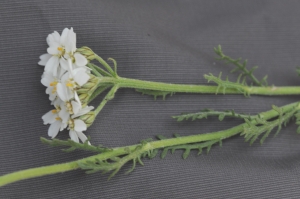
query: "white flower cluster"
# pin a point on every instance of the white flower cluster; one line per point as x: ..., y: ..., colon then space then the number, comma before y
x: 65, y: 71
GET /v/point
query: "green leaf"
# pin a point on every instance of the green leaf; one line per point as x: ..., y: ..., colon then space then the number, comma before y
x: 161, y: 137
x: 221, y: 117
x: 74, y: 145
x: 164, y: 153
x: 186, y: 153
x: 226, y: 84
x: 241, y: 67
x: 209, y: 112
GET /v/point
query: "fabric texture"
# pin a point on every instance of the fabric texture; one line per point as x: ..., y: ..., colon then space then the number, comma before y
x: 166, y: 41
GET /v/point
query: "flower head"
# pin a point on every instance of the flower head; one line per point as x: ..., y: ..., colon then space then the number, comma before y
x: 61, y: 48
x: 65, y: 72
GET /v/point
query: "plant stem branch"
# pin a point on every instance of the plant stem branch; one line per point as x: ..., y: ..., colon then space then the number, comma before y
x: 109, y: 96
x: 204, y: 89
x: 59, y: 168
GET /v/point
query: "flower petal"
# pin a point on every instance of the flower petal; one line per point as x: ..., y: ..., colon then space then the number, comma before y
x: 73, y: 136
x: 77, y: 98
x: 52, y: 96
x: 82, y: 137
x: 52, y: 65
x: 79, y: 125
x: 56, y: 36
x: 70, y: 43
x: 57, y: 102
x: 63, y: 126
x: 54, y: 129
x: 60, y: 72
x: 72, y: 36
x: 80, y: 60
x: 64, y: 36
x: 76, y: 107
x: 53, y: 37
x: 44, y: 59
x: 49, y: 117
x: 64, y: 63
x: 53, y: 48
x: 83, y: 111
x: 47, y: 78
x: 64, y: 114
x: 49, y: 90
x: 81, y: 77
x: 61, y: 92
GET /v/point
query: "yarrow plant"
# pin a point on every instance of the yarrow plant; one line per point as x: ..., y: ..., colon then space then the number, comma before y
x: 73, y: 77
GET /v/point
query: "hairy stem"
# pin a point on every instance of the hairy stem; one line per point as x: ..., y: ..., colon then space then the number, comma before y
x: 185, y: 88
x: 109, y: 96
x: 59, y: 168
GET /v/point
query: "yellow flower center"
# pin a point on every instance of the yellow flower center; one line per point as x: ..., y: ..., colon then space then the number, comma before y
x: 71, y: 124
x: 54, y: 90
x: 69, y: 84
x: 54, y: 83
x: 69, y: 108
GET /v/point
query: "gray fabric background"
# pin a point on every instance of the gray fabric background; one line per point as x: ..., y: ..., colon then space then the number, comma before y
x: 168, y: 41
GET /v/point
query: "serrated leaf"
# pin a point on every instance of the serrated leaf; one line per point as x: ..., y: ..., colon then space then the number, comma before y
x: 164, y: 153
x: 241, y: 67
x: 153, y: 154
x: 186, y: 153
x: 161, y: 137
x: 221, y: 117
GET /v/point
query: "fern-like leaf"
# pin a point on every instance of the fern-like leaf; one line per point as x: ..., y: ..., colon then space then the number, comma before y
x: 262, y: 127
x: 226, y: 84
x: 208, y: 112
x: 241, y: 66
x: 114, y: 164
x: 74, y: 145
x: 188, y: 147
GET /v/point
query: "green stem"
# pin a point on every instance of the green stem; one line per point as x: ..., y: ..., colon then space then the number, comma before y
x: 110, y: 95
x: 59, y: 168
x: 97, y: 92
x: 94, y: 70
x: 185, y: 88
x: 105, y: 64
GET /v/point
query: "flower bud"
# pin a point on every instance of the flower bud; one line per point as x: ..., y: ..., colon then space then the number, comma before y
x: 88, y: 118
x: 90, y: 86
x: 84, y: 97
x: 87, y: 52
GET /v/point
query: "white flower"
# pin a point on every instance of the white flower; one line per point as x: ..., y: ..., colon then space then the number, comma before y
x: 56, y: 102
x: 56, y: 124
x: 50, y: 82
x: 71, y: 104
x: 69, y: 108
x: 70, y: 81
x: 61, y: 48
x: 83, y: 111
x: 76, y: 127
x: 65, y: 71
x: 50, y: 117
x: 75, y: 77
